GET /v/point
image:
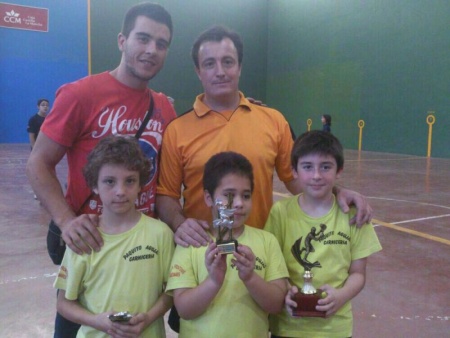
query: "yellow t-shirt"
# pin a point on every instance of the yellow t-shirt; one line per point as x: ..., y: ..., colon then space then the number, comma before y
x: 127, y: 274
x: 334, y: 249
x: 233, y: 312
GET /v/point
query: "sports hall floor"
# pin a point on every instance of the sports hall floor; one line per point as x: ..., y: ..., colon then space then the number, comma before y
x: 407, y: 293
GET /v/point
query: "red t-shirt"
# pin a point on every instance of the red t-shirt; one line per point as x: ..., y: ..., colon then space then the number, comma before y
x: 91, y: 108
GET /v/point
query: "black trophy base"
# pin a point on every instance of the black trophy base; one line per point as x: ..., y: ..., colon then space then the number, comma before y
x: 306, y: 305
x: 227, y: 247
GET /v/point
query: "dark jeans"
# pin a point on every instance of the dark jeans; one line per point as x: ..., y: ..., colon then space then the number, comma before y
x: 174, y: 320
x: 64, y: 328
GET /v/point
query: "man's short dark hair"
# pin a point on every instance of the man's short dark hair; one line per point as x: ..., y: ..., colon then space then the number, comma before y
x: 217, y: 34
x: 222, y: 164
x: 42, y: 100
x: 116, y: 149
x: 317, y: 142
x: 150, y: 10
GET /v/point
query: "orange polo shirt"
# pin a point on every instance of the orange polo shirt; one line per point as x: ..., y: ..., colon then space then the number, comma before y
x: 259, y: 133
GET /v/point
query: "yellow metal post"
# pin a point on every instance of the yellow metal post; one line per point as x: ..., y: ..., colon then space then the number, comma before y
x: 430, y: 121
x: 309, y: 123
x: 361, y: 126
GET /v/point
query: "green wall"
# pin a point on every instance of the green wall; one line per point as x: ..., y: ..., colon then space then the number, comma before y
x: 386, y: 62
x: 190, y: 18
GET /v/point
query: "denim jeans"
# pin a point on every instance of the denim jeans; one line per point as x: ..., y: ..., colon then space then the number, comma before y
x: 64, y: 328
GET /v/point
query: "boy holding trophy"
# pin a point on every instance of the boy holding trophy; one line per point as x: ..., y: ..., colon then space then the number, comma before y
x: 119, y: 291
x: 228, y: 291
x: 320, y: 249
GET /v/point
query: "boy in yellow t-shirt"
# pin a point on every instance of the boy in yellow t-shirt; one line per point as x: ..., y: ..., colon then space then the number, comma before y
x: 314, y: 235
x: 229, y: 295
x: 128, y: 276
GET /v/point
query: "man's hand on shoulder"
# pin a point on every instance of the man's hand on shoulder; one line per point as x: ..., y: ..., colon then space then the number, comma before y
x: 257, y: 102
x: 346, y: 198
x: 192, y: 232
x: 81, y: 234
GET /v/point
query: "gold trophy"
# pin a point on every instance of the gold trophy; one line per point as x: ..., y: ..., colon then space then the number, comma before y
x: 224, y: 224
x: 308, y: 296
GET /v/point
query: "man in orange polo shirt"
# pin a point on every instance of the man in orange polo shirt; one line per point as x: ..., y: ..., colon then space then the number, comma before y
x: 222, y: 119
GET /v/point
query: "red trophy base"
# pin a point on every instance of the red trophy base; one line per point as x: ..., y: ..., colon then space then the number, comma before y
x: 306, y: 305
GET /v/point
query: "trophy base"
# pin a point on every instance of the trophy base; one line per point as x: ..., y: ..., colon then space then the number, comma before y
x: 227, y: 247
x: 306, y: 305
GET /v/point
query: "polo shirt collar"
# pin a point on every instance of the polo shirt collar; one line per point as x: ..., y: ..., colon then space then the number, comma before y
x: 201, y: 109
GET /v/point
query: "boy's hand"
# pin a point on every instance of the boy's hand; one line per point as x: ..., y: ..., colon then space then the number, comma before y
x: 81, y: 234
x: 244, y: 260
x: 216, y: 264
x: 102, y: 322
x: 131, y: 329
x: 345, y: 198
x: 288, y: 302
x: 331, y: 303
x: 192, y: 232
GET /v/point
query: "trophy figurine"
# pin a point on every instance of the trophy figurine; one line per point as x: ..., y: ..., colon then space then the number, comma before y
x: 224, y: 224
x: 308, y: 296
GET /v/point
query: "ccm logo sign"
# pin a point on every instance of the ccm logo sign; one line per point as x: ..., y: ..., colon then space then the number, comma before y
x: 23, y: 17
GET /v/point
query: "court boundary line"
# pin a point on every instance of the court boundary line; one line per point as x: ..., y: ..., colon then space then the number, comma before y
x: 412, y: 232
x: 385, y: 159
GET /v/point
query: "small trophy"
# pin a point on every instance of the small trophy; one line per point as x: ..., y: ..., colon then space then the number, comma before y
x: 224, y: 222
x: 308, y: 296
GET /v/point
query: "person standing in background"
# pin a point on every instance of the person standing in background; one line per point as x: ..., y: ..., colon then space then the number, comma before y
x: 35, y: 122
x: 326, y: 122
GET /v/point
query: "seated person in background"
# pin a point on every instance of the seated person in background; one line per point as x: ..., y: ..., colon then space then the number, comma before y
x: 131, y: 270
x: 219, y: 295
x: 312, y: 226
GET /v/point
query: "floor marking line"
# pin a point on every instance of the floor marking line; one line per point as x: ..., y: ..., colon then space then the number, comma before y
x: 384, y: 159
x: 412, y: 232
x: 421, y: 219
x: 406, y: 201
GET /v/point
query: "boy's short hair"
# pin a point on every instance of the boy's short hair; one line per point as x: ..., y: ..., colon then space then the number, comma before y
x: 150, y: 10
x: 222, y: 164
x: 116, y: 149
x: 317, y: 142
x: 42, y: 100
x: 217, y: 34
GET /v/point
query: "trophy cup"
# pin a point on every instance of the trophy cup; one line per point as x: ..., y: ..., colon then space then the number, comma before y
x: 308, y: 296
x: 224, y: 224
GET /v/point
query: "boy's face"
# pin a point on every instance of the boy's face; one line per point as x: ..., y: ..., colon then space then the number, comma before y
x: 43, y: 108
x: 239, y: 187
x: 317, y: 175
x: 118, y: 188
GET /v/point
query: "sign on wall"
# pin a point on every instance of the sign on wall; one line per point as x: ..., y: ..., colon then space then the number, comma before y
x: 23, y: 17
